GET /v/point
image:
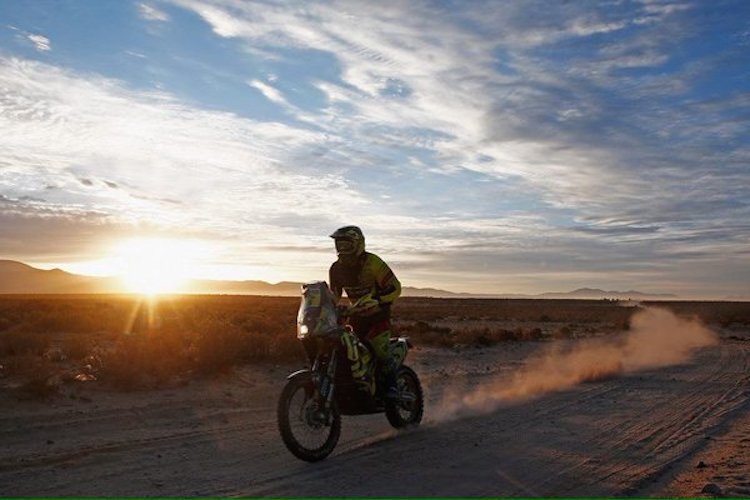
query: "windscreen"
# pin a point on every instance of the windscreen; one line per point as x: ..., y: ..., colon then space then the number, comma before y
x: 317, y: 310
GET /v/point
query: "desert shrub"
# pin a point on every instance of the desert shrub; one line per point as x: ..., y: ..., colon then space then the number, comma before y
x: 721, y: 313
x: 77, y: 347
x: 484, y: 340
x: 485, y: 334
x: 204, y: 336
x: 145, y: 359
x: 435, y: 338
x: 38, y: 376
x: 621, y: 325
x: 286, y: 348
x: 21, y: 340
x: 219, y: 346
x: 415, y: 328
x: 182, y: 335
x: 564, y: 332
x: 423, y: 333
x: 525, y: 310
x: 528, y: 334
x: 469, y: 336
x: 258, y: 324
x: 489, y: 335
x: 475, y: 335
x: 125, y: 365
x: 169, y: 352
x: 22, y: 365
x: 41, y: 385
x: 421, y: 327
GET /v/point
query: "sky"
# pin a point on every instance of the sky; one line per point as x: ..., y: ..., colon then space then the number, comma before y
x: 484, y: 146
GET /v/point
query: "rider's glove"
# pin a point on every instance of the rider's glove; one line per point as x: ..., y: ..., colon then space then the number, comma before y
x: 366, y: 306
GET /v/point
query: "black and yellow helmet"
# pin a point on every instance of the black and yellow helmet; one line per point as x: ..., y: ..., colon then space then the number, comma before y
x: 349, y: 241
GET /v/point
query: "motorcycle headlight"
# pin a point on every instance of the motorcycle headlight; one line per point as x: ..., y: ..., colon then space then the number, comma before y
x: 302, y: 331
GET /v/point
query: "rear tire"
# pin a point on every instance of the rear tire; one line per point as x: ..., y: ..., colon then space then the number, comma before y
x: 404, y: 414
x: 309, y: 433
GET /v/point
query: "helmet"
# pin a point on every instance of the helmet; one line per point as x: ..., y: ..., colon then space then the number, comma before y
x: 349, y: 241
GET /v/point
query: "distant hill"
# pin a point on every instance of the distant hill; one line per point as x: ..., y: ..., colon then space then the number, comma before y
x: 16, y: 277
x: 596, y: 293
x: 248, y: 287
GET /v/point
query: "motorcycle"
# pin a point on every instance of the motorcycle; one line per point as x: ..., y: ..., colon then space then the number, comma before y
x: 314, y: 399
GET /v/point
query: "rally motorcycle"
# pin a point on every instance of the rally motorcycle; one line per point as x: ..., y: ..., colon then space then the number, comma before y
x: 344, y: 378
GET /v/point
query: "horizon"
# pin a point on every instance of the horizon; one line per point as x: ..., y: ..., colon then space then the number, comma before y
x: 486, y: 148
x: 192, y: 286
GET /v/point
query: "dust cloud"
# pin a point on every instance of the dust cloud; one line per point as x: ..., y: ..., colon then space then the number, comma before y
x: 656, y: 338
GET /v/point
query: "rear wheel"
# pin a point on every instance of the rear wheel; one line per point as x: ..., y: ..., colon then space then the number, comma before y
x: 308, y: 430
x: 407, y: 410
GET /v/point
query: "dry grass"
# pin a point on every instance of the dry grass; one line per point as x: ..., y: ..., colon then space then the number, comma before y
x: 456, y: 334
x: 37, y: 375
x: 130, y: 343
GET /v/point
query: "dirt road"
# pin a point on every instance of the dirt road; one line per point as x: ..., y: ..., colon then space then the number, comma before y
x: 639, y: 434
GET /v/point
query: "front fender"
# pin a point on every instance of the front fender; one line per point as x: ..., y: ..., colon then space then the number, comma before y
x: 302, y: 374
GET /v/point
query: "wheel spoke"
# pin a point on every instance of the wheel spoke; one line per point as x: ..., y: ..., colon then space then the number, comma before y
x: 308, y: 428
x: 407, y: 411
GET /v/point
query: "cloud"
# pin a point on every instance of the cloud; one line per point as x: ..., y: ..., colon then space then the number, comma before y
x: 41, y: 43
x: 510, y: 93
x: 173, y: 166
x: 536, y: 141
x: 568, y: 131
x: 271, y: 93
x: 151, y: 13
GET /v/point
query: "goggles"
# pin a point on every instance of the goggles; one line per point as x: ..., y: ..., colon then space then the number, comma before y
x: 345, y: 246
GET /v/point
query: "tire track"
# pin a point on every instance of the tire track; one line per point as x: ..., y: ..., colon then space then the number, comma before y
x: 671, y: 431
x: 40, y: 460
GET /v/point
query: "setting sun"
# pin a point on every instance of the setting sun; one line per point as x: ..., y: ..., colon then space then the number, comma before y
x: 153, y: 266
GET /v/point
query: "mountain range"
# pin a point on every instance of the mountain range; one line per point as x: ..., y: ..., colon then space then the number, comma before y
x: 19, y: 278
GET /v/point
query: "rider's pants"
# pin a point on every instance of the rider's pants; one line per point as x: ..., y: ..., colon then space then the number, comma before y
x: 377, y: 331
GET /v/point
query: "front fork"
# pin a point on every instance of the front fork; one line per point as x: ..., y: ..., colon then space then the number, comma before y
x: 323, y: 382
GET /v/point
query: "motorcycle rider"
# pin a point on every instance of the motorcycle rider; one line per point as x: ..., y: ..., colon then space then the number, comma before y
x: 359, y: 274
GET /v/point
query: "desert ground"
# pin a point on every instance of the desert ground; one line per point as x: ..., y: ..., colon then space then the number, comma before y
x: 658, y: 409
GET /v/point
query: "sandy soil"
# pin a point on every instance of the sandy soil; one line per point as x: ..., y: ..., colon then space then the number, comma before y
x: 661, y: 431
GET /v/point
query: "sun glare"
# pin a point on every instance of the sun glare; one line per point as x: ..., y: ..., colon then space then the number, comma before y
x: 154, y: 266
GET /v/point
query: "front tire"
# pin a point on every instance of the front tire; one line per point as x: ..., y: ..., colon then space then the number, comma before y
x: 408, y: 409
x: 308, y: 431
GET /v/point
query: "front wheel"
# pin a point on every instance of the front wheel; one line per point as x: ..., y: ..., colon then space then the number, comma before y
x: 407, y: 410
x: 308, y: 430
